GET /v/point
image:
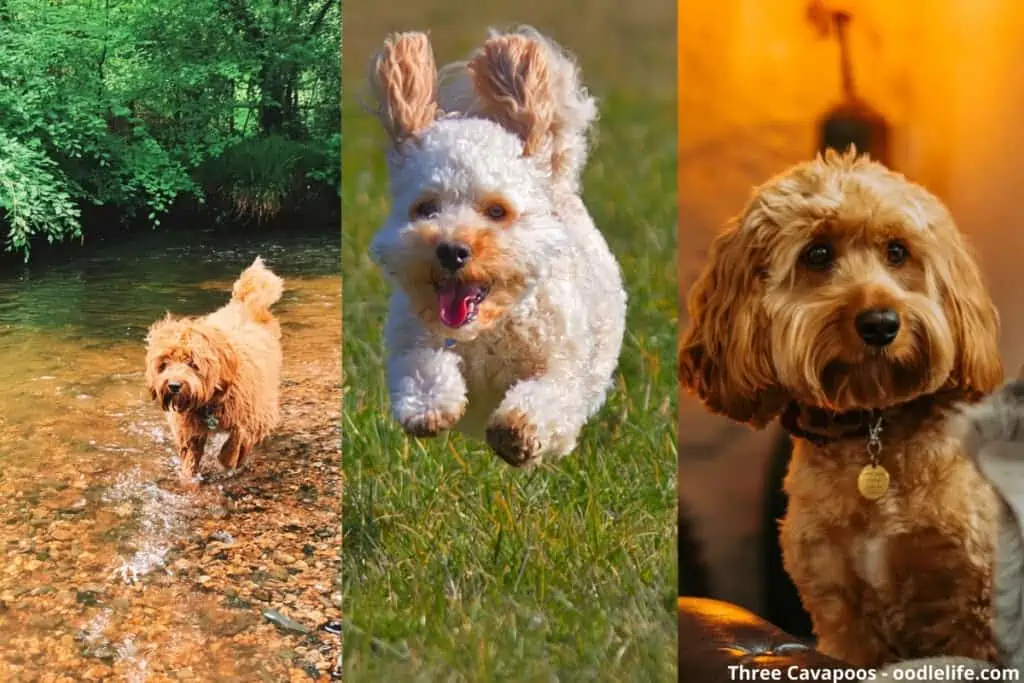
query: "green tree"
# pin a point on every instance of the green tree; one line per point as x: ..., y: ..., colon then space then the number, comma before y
x: 139, y: 106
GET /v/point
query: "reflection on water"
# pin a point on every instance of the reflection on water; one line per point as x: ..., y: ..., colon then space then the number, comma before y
x: 109, y: 570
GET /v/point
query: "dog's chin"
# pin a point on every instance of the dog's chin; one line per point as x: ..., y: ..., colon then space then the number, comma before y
x: 181, y: 402
x: 876, y: 383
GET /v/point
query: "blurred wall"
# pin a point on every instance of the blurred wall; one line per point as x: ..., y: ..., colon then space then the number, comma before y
x: 754, y: 79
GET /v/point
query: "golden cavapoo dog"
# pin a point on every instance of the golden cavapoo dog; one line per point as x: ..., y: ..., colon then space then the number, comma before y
x: 220, y: 372
x: 844, y: 301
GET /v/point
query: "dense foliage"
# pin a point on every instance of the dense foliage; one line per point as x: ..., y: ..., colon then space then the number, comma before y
x: 140, y: 105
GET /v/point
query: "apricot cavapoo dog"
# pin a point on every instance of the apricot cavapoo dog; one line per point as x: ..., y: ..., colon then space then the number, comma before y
x: 220, y: 372
x: 844, y: 301
x: 508, y: 309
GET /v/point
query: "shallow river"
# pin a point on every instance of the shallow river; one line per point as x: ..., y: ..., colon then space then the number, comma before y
x: 108, y: 571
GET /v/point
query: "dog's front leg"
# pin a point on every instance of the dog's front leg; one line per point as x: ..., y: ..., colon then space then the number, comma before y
x: 191, y: 445
x: 821, y: 572
x: 538, y: 416
x: 428, y: 391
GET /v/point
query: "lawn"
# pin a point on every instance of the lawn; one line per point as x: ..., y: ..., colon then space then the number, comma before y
x: 457, y: 567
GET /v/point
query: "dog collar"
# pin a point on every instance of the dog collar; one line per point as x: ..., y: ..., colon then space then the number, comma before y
x: 822, y: 427
x: 209, y: 418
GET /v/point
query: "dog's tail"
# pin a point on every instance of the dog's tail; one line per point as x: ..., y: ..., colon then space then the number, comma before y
x: 257, y: 288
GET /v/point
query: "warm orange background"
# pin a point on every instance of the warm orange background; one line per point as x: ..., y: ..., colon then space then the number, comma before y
x: 754, y: 78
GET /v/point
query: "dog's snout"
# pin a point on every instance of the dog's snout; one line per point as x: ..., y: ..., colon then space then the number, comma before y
x: 878, y: 326
x: 174, y: 387
x: 453, y: 255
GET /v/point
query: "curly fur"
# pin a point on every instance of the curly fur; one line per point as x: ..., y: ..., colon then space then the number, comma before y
x: 908, y: 575
x: 404, y: 78
x: 221, y: 370
x: 498, y: 172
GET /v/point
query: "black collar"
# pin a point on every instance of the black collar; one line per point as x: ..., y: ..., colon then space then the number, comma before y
x: 208, y: 415
x: 821, y: 427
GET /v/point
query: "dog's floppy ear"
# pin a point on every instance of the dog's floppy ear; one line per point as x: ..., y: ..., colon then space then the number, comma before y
x: 160, y: 326
x: 973, y: 318
x: 156, y: 338
x: 530, y: 86
x: 724, y: 354
x: 227, y: 359
x: 403, y: 78
x: 228, y: 369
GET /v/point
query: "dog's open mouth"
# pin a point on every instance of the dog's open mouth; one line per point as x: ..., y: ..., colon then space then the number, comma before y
x: 458, y: 302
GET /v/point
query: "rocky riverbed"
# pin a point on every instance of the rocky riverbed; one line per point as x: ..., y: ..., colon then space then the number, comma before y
x: 110, y: 572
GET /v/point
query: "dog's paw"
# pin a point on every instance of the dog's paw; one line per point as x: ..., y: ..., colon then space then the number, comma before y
x: 188, y: 484
x: 189, y: 478
x: 429, y: 424
x: 514, y: 438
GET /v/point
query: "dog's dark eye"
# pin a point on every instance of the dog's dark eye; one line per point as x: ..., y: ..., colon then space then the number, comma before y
x: 161, y: 367
x: 428, y: 208
x: 496, y: 212
x: 192, y: 364
x: 896, y: 253
x: 818, y: 256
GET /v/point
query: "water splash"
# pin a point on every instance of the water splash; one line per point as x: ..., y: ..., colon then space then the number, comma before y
x: 162, y: 517
x: 149, y: 557
x: 138, y: 667
x: 223, y: 537
x: 92, y: 632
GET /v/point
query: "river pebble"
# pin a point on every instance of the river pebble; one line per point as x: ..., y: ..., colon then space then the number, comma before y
x: 111, y: 573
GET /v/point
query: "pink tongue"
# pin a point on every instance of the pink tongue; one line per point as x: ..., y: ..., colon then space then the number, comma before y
x: 453, y: 300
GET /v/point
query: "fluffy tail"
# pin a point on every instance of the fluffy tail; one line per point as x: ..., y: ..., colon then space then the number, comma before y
x: 257, y: 288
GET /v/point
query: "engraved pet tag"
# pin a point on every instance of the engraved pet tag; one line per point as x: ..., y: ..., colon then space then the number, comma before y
x: 873, y: 482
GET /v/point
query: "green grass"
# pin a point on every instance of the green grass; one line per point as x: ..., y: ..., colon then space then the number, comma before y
x: 255, y: 179
x: 457, y: 567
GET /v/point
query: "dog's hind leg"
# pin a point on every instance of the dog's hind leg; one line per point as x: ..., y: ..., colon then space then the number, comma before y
x: 244, y: 451
x: 230, y: 454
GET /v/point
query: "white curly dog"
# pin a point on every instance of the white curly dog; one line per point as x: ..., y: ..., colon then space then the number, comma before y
x: 508, y: 310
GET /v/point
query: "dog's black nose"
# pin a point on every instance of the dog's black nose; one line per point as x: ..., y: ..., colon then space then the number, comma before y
x: 878, y: 326
x: 453, y: 255
x: 174, y: 387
